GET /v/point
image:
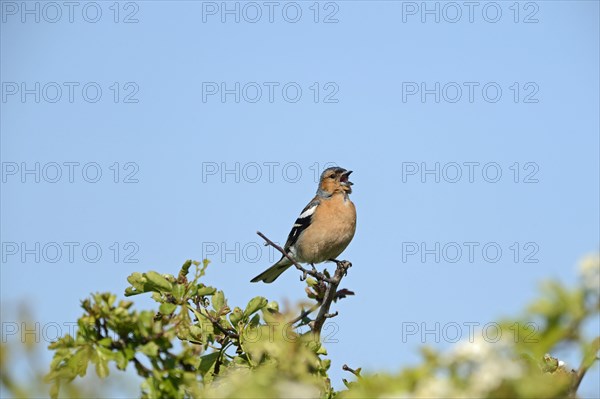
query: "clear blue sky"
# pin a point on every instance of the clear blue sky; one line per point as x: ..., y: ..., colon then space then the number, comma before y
x: 517, y: 89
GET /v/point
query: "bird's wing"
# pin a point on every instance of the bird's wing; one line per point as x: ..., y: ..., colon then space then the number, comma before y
x: 301, y: 223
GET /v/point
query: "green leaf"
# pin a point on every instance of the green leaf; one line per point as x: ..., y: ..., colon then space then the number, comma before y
x: 207, y: 362
x: 185, y: 268
x: 224, y: 310
x: 79, y: 361
x: 236, y: 316
x: 150, y: 349
x: 135, y: 279
x: 158, y: 297
x: 129, y: 353
x: 549, y: 364
x: 255, y: 321
x: 311, y: 282
x: 192, y: 290
x: 196, y: 332
x: 255, y: 305
x: 321, y: 350
x: 178, y: 291
x: 167, y: 308
x: 273, y: 307
x: 101, y: 364
x: 131, y: 291
x: 205, y: 291
x: 105, y: 342
x: 218, y: 300
x: 159, y: 281
x: 125, y: 304
x: 121, y: 360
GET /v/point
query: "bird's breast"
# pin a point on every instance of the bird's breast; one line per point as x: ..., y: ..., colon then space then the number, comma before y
x: 332, y: 229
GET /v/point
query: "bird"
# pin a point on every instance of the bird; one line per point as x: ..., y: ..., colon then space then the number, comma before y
x: 324, y: 228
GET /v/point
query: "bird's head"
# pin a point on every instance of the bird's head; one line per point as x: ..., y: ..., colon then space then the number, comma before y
x: 335, y: 180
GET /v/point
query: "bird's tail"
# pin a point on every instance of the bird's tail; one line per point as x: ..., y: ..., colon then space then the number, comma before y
x: 271, y: 274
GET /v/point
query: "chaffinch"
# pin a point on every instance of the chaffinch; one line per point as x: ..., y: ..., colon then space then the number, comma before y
x: 324, y: 228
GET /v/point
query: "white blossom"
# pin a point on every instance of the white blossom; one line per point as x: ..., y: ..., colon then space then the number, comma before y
x: 489, y: 363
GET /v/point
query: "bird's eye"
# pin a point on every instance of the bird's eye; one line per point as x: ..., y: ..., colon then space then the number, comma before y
x: 332, y: 176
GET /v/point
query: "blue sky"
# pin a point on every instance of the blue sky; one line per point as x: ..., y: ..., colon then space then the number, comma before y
x: 214, y: 129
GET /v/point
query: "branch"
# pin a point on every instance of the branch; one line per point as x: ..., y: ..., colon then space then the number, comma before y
x: 579, y: 374
x: 305, y: 313
x: 355, y: 372
x: 305, y: 272
x: 330, y: 295
x: 215, y: 322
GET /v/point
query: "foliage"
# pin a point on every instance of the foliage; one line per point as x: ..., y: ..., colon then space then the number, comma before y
x: 196, y: 345
x: 515, y: 366
x: 23, y: 364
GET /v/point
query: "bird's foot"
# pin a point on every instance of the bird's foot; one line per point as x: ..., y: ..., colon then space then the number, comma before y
x: 304, y: 275
x: 343, y: 264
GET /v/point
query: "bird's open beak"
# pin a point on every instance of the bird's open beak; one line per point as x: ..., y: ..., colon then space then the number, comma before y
x: 344, y: 178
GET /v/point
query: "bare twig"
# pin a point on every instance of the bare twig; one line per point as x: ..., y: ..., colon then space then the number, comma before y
x: 305, y: 313
x: 355, y: 372
x: 314, y: 273
x: 579, y: 374
x: 215, y: 322
x: 331, y: 315
x: 330, y: 294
